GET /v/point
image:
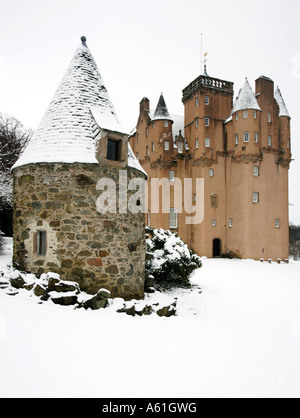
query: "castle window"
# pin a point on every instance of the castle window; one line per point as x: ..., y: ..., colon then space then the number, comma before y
x: 206, y: 121
x: 197, y: 123
x: 207, y: 142
x: 255, y: 197
x: 256, y: 171
x: 173, y: 218
x: 153, y: 146
x: 166, y: 145
x: 230, y: 223
x: 237, y: 116
x: 197, y: 143
x: 269, y: 117
x: 236, y: 139
x: 147, y: 150
x: 256, y: 137
x: 269, y: 141
x: 214, y: 223
x: 41, y: 242
x: 206, y: 100
x: 211, y: 172
x: 180, y: 147
x: 197, y: 101
x: 277, y: 223
x: 172, y: 175
x: 166, y: 124
x: 246, y: 137
x: 254, y: 114
x: 153, y: 124
x: 113, y: 148
x: 245, y: 114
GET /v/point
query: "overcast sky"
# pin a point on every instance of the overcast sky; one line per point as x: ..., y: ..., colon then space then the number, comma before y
x: 143, y: 48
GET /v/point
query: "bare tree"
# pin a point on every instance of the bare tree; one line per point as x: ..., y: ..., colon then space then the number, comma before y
x: 13, y: 140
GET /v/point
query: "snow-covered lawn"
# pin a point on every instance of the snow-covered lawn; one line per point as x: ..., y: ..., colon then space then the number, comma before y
x: 239, y: 338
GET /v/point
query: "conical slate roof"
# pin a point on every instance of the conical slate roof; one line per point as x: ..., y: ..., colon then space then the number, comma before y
x: 246, y: 99
x: 283, y: 111
x: 161, y: 112
x: 68, y: 129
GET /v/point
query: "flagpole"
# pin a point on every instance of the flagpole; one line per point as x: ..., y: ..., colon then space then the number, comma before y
x: 201, y: 72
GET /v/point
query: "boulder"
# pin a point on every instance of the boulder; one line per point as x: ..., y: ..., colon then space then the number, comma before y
x: 99, y: 301
x: 41, y: 291
x: 17, y: 282
x: 65, y: 300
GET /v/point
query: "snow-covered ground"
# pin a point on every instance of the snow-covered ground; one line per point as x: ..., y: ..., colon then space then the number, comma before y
x: 239, y: 338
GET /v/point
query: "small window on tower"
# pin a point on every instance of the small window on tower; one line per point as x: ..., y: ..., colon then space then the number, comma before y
x: 166, y: 145
x: 153, y: 146
x: 41, y: 242
x: 211, y: 172
x: 230, y: 223
x: 197, y: 101
x: 256, y: 171
x: 153, y: 124
x: 206, y: 100
x: 269, y: 117
x: 166, y: 124
x: 197, y: 143
x: 214, y: 223
x: 173, y: 218
x: 269, y: 141
x: 236, y: 139
x: 245, y: 114
x: 113, y: 150
x: 255, y: 197
x: 207, y: 142
x: 147, y: 150
x: 237, y: 116
x: 277, y: 223
x: 197, y: 123
x: 254, y: 114
x: 256, y: 137
x: 172, y: 176
x: 206, y: 121
x: 246, y: 137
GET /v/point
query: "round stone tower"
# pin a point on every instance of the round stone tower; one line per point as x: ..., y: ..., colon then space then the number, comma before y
x: 62, y: 222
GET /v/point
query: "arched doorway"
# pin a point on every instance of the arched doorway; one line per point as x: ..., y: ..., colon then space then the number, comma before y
x: 216, y: 248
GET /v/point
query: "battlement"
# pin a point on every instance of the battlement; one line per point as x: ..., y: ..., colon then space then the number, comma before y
x: 203, y: 83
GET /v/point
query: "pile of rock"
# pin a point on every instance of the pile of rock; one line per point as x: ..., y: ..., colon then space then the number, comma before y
x: 49, y: 287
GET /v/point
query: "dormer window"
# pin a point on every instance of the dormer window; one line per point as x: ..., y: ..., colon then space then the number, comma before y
x: 113, y: 150
x: 180, y: 147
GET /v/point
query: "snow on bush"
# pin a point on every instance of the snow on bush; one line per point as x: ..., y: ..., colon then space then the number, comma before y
x: 172, y: 262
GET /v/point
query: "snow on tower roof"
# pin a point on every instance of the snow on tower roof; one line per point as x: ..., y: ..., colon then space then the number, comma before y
x: 67, y: 131
x: 161, y: 111
x: 246, y: 99
x: 283, y: 111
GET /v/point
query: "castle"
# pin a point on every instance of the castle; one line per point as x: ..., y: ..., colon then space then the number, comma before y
x: 240, y: 148
x: 58, y: 223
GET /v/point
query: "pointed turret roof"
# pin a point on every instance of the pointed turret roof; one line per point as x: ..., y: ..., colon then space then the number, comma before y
x: 283, y: 111
x: 67, y: 132
x: 246, y: 99
x: 161, y: 112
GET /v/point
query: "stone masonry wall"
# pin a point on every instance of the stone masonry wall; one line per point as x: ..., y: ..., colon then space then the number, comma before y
x: 94, y: 250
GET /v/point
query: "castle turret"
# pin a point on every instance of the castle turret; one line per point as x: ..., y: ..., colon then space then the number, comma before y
x: 60, y: 223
